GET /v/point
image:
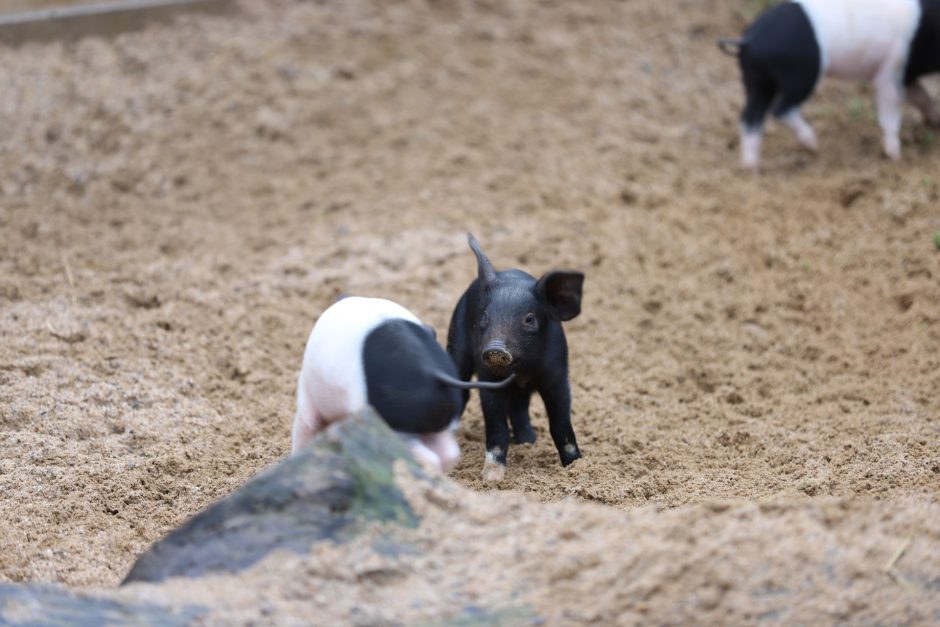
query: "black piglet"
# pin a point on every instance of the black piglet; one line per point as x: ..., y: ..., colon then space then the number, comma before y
x: 510, y: 323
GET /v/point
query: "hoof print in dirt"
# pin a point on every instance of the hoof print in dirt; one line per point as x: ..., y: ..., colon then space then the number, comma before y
x: 326, y: 491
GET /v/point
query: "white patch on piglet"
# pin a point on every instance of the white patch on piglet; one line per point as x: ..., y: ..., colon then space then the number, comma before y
x: 439, y: 451
x: 445, y: 446
x: 858, y: 39
x: 750, y: 148
x: 801, y: 128
x: 868, y: 39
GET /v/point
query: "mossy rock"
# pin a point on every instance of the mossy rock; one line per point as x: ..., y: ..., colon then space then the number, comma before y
x: 48, y: 605
x: 340, y: 482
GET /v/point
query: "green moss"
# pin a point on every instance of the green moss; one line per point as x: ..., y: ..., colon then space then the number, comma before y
x: 473, y: 616
x: 369, y: 453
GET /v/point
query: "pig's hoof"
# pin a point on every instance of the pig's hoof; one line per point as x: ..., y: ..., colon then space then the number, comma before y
x: 752, y: 167
x: 569, y: 454
x: 493, y: 471
x: 524, y: 436
x: 810, y: 143
x: 893, y: 150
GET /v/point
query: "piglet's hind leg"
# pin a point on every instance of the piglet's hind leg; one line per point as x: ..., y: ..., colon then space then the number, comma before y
x: 444, y: 447
x: 306, y: 423
x: 424, y: 455
x: 301, y: 434
x: 522, y: 432
x: 801, y: 128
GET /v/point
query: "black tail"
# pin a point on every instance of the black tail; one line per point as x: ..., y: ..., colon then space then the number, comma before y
x: 446, y: 379
x: 731, y: 46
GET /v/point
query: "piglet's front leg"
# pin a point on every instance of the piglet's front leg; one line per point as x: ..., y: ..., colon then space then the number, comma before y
x: 557, y: 399
x: 495, y: 414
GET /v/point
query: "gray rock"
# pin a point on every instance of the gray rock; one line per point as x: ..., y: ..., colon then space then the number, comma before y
x: 342, y: 483
x: 343, y: 480
x: 47, y: 605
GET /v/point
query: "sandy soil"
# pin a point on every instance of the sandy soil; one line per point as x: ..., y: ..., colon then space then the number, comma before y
x: 178, y: 205
x: 510, y: 561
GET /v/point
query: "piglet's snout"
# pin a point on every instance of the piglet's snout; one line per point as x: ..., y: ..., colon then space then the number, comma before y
x: 497, y: 355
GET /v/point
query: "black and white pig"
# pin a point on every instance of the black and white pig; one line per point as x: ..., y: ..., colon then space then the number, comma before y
x: 510, y: 323
x: 371, y: 351
x: 787, y: 50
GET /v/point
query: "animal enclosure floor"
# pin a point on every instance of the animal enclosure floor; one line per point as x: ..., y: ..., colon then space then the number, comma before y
x: 177, y: 205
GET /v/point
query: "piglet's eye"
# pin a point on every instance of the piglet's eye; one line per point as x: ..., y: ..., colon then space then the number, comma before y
x: 484, y: 321
x: 530, y: 322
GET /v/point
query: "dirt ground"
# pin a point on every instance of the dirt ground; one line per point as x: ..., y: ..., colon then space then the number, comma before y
x: 178, y: 205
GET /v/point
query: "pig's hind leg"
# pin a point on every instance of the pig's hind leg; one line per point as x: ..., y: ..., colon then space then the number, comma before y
x: 803, y: 131
x: 784, y: 92
x: 307, y: 423
x: 795, y: 83
x: 780, y: 66
x: 443, y: 445
x: 522, y: 432
x: 423, y: 454
x: 759, y: 92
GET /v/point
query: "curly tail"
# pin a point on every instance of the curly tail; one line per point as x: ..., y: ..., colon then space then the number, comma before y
x: 730, y: 46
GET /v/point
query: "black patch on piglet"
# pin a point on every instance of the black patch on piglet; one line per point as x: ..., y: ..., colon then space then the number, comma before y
x: 400, y: 362
x: 780, y: 63
x: 924, y: 55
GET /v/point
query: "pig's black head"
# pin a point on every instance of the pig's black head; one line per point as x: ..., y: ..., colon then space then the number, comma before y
x: 516, y: 314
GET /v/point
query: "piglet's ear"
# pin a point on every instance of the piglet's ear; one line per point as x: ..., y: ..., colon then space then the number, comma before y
x: 560, y: 292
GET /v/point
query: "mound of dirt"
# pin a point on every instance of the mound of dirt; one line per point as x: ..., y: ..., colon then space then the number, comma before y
x: 352, y: 531
x: 178, y: 204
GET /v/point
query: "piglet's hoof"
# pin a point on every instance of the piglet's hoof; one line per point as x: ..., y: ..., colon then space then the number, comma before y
x: 493, y: 471
x: 892, y: 149
x: 569, y: 453
x: 525, y: 436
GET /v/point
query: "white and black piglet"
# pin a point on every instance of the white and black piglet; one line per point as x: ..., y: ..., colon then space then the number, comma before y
x: 787, y: 50
x: 371, y: 351
x: 509, y: 323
